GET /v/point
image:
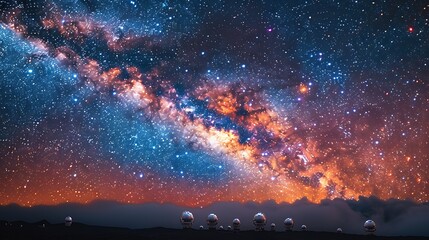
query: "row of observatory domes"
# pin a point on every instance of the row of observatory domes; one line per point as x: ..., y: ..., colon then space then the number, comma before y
x: 259, y: 221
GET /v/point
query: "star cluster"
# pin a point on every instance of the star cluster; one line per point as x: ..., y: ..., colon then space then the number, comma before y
x: 194, y: 102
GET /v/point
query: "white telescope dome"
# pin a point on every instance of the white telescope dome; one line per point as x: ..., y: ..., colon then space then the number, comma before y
x: 68, y: 221
x: 236, y: 224
x: 187, y: 219
x: 236, y: 221
x: 259, y: 220
x: 288, y: 224
x: 369, y: 226
x: 212, y: 221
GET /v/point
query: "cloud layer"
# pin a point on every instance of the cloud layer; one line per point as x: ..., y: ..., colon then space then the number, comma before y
x: 393, y: 217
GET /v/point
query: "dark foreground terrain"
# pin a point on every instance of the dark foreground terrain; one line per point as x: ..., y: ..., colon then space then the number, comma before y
x: 45, y: 230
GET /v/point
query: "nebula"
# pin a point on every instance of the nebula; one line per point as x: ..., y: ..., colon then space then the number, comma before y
x: 171, y: 102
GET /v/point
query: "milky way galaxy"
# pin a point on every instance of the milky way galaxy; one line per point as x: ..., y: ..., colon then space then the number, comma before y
x: 195, y: 102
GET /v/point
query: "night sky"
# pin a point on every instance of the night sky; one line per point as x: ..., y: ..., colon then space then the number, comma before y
x: 198, y: 102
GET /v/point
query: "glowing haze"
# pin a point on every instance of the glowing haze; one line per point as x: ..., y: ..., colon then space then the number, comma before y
x: 195, y: 103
